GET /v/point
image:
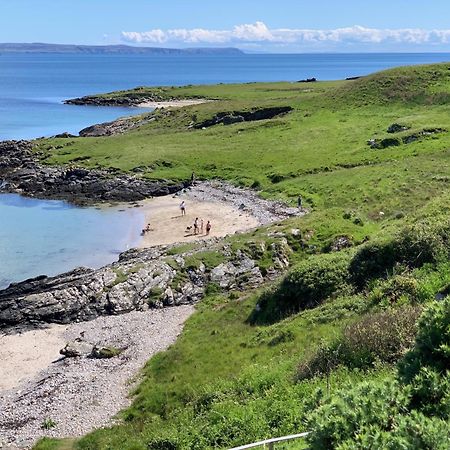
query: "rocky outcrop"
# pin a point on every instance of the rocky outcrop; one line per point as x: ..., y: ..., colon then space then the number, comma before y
x: 118, y: 126
x: 408, y: 139
x: 228, y: 118
x: 396, y: 128
x: 141, y: 279
x: 21, y: 172
x: 133, y: 98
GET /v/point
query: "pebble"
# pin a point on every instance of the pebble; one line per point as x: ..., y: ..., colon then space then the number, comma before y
x: 82, y: 394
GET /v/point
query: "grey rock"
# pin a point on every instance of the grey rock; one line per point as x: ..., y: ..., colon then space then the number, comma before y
x: 21, y: 172
x: 76, y: 348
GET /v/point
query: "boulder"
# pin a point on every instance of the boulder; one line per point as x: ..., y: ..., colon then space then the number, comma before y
x: 396, y: 128
x: 99, y: 352
x: 76, y: 348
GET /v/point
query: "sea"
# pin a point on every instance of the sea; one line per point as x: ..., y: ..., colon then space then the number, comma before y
x: 48, y: 237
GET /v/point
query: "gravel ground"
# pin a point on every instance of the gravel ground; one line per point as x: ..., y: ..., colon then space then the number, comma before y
x: 265, y: 211
x: 80, y: 394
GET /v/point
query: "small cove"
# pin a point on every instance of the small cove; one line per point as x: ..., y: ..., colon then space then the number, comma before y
x: 48, y: 237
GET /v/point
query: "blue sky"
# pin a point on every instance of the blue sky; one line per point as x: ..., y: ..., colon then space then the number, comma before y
x: 257, y: 25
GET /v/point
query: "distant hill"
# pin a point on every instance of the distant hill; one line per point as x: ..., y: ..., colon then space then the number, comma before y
x: 112, y: 49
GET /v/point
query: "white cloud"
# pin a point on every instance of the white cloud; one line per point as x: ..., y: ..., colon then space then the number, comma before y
x: 260, y: 33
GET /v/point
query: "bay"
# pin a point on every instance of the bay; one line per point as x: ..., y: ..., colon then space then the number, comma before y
x: 47, y: 237
x: 33, y: 86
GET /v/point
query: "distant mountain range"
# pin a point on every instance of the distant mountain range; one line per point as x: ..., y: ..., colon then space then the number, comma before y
x: 112, y: 49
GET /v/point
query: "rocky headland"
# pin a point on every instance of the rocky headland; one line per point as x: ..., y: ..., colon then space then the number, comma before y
x: 22, y: 172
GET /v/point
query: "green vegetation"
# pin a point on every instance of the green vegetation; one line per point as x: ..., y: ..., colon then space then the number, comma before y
x: 334, y: 347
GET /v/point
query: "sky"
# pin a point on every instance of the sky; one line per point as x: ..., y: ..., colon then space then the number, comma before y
x: 287, y: 26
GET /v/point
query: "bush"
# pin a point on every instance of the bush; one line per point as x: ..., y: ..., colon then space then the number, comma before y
x: 412, y: 432
x: 352, y: 409
x: 424, y: 242
x: 397, y: 289
x: 314, y: 280
x: 377, y: 337
x: 373, y: 415
x: 307, y: 285
x: 427, y: 366
x: 432, y: 344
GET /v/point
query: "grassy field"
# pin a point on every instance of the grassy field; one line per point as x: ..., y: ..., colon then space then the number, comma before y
x: 230, y: 379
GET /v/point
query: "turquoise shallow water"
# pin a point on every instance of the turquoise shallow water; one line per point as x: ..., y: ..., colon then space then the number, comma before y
x: 49, y: 237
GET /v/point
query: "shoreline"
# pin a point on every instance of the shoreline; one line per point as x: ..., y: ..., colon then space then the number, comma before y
x: 75, y: 392
x: 168, y: 226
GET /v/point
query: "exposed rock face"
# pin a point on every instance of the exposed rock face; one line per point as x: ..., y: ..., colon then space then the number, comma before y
x: 117, y: 126
x: 140, y: 280
x: 21, y: 172
x: 228, y: 118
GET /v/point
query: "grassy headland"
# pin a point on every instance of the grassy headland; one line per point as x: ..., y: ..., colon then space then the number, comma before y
x: 242, y: 372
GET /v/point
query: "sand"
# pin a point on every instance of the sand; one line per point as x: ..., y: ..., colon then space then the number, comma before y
x: 173, y: 103
x: 24, y: 355
x: 81, y: 394
x: 168, y: 226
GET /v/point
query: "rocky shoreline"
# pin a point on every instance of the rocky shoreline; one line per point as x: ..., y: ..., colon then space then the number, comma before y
x: 21, y: 172
x: 133, y: 99
x: 124, y: 101
x: 142, y: 279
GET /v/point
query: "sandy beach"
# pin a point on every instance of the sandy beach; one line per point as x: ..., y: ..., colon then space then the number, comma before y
x: 167, y: 225
x: 24, y: 355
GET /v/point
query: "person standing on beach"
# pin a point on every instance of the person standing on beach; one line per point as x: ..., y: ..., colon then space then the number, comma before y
x: 208, y: 227
x: 183, y: 208
x: 201, y: 226
x: 196, y: 225
x: 193, y: 178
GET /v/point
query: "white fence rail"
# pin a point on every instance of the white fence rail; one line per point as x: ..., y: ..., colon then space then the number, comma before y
x: 270, y: 442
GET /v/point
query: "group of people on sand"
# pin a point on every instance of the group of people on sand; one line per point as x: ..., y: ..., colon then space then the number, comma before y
x: 198, y: 226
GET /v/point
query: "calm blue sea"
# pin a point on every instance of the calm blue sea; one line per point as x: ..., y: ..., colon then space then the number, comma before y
x: 46, y: 237
x: 32, y: 86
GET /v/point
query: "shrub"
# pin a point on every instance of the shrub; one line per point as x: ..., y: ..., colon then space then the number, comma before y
x: 376, y: 337
x: 412, y: 432
x: 383, y: 336
x: 424, y: 242
x: 427, y: 366
x: 397, y: 289
x: 372, y: 260
x: 432, y: 344
x: 307, y: 285
x: 351, y: 410
x: 314, y: 280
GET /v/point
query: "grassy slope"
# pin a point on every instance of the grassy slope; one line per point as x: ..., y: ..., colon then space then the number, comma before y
x: 320, y: 151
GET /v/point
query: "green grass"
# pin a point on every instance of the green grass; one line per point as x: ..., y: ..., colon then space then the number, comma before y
x: 225, y: 381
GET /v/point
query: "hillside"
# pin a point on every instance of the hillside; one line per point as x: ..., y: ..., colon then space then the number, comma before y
x: 37, y: 47
x: 335, y: 346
